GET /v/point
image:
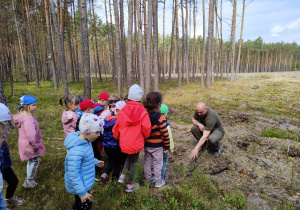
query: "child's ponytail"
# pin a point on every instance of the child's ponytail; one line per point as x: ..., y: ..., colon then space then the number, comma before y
x: 69, y: 100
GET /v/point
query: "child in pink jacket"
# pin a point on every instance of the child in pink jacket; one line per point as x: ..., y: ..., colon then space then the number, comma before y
x: 30, y: 143
x: 69, y: 116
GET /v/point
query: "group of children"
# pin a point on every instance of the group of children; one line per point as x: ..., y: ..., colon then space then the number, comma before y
x: 122, y: 128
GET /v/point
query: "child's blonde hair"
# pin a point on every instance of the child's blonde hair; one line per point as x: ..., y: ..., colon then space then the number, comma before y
x: 69, y: 100
x: 24, y: 109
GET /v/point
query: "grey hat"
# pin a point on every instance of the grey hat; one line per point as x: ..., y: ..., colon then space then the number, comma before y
x: 135, y: 93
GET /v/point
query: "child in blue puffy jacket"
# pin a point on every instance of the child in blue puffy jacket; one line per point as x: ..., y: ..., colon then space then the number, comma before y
x: 80, y: 161
x: 116, y: 157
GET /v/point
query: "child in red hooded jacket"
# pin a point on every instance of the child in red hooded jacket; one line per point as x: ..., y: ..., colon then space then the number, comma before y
x: 133, y: 126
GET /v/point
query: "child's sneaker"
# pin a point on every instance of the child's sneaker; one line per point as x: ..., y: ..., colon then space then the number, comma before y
x: 152, y: 179
x: 122, y: 178
x: 132, y: 187
x: 14, y: 201
x: 29, y: 183
x: 165, y: 177
x: 160, y: 183
x: 104, y: 178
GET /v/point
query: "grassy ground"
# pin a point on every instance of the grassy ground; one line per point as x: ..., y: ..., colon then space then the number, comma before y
x: 262, y: 94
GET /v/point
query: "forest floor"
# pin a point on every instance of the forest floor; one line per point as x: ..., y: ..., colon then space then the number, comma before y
x: 261, y: 148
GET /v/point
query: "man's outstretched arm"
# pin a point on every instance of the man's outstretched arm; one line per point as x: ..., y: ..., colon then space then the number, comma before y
x: 194, y: 152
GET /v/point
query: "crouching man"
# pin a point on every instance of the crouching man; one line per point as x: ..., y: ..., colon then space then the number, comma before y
x: 207, y: 129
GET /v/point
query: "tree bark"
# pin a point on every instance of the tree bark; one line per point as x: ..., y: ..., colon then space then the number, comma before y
x: 129, y: 44
x: 209, y: 46
x: 240, y: 44
x: 155, y: 46
x: 85, y: 51
x: 123, y: 50
x: 111, y: 54
x: 148, y: 50
x: 178, y: 67
x: 118, y: 48
x: 232, y: 57
x: 61, y: 52
x: 49, y: 37
x: 66, y: 14
x: 203, y: 49
x: 112, y: 45
x: 172, y: 40
x: 37, y: 84
x: 141, y: 48
x: 95, y: 36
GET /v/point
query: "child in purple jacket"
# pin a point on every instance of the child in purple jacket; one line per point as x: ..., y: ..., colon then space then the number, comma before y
x: 116, y: 157
x: 30, y: 143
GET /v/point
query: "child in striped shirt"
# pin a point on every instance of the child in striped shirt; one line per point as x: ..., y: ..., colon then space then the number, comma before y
x: 158, y: 142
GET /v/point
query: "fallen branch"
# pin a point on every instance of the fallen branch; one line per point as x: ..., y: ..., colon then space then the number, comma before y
x: 219, y: 170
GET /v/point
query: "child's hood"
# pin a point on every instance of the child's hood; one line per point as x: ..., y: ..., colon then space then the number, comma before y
x: 68, y: 115
x: 154, y: 117
x: 73, y: 140
x: 19, y: 119
x: 133, y: 112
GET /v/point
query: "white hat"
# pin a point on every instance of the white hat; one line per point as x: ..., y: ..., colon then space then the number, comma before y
x: 135, y: 93
x: 89, y: 123
x: 4, y: 113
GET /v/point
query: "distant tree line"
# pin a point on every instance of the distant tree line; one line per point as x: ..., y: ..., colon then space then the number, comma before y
x: 64, y: 40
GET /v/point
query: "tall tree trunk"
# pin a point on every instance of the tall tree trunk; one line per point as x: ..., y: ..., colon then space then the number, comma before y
x: 76, y: 46
x: 187, y: 43
x: 129, y: 44
x: 209, y: 46
x: 172, y: 41
x: 62, y: 58
x: 49, y: 37
x: 118, y: 48
x: 183, y: 40
x: 141, y: 48
x: 20, y: 44
x: 148, y: 50
x: 85, y: 51
x: 163, y: 53
x: 37, y: 84
x: 96, y: 40
x: 221, y: 44
x: 66, y: 14
x: 232, y: 57
x: 123, y: 50
x: 178, y: 67
x: 155, y: 46
x: 203, y: 48
x: 194, y: 45
x: 240, y: 44
x: 111, y: 54
x: 112, y: 44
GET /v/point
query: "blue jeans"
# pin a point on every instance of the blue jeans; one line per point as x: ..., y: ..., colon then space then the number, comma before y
x: 165, y: 163
x: 2, y: 202
x: 32, y: 167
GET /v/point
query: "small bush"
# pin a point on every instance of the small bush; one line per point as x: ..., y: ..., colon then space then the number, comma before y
x: 236, y: 200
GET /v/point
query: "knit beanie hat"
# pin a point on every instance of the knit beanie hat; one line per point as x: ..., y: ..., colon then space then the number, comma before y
x: 135, y: 93
x: 4, y: 113
x: 118, y: 106
x: 89, y: 123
